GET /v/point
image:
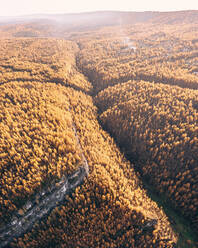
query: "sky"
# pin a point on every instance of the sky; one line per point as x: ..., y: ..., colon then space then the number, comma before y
x: 26, y: 7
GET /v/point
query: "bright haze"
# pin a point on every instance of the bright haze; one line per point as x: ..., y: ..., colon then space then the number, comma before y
x: 28, y: 7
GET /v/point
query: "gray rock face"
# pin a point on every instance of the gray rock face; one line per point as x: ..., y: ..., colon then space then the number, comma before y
x: 149, y: 225
x: 44, y: 201
x: 35, y: 211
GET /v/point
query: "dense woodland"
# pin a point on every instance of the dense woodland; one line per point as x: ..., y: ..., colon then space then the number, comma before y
x: 157, y: 125
x: 40, y: 60
x: 131, y: 93
x: 37, y: 140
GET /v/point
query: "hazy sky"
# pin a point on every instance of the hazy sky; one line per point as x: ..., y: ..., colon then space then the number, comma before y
x: 21, y: 7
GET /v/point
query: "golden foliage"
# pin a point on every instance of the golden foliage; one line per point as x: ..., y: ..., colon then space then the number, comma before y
x: 158, y: 126
x: 154, y: 120
x: 39, y: 146
x: 110, y: 209
x: 155, y: 55
x: 40, y: 60
x: 38, y: 142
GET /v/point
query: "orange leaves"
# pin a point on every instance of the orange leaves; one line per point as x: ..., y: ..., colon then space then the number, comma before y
x: 109, y: 209
x: 103, y: 212
x: 159, y: 137
x: 34, y: 146
x: 40, y: 60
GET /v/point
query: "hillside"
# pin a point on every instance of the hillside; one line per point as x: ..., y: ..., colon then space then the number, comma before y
x: 116, y: 98
x: 160, y: 135
x: 60, y: 25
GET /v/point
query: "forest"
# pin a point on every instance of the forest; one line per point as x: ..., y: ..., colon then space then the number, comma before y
x: 125, y: 99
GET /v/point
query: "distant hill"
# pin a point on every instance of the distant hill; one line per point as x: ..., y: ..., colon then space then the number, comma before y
x: 109, y: 17
x: 55, y: 24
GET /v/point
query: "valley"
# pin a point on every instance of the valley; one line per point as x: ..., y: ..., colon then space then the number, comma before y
x: 120, y: 101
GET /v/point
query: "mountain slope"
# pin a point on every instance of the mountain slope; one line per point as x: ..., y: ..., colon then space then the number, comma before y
x: 60, y: 25
x: 39, y: 147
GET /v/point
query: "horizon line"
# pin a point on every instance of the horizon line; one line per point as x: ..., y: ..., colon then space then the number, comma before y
x: 94, y: 11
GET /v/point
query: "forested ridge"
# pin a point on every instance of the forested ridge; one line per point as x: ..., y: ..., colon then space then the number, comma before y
x: 132, y: 98
x: 161, y: 122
